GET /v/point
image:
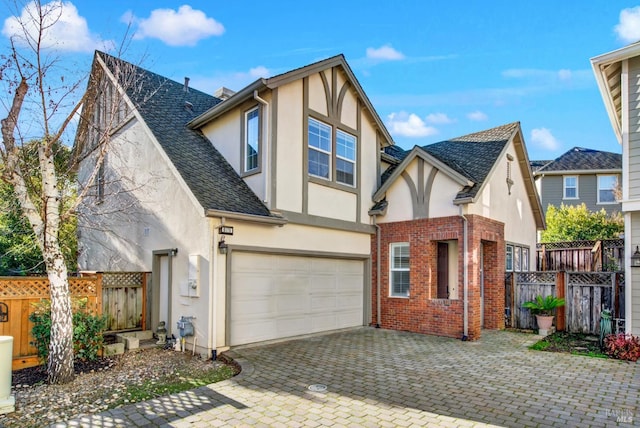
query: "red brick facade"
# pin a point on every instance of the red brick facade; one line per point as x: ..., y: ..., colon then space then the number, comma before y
x: 422, y: 311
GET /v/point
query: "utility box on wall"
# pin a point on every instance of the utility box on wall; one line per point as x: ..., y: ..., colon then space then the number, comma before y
x: 194, y: 277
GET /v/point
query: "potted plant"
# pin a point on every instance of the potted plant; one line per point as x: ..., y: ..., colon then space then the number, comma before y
x: 542, y: 308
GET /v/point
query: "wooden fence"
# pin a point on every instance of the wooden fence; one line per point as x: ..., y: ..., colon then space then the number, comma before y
x: 581, y: 256
x: 585, y: 293
x: 117, y: 295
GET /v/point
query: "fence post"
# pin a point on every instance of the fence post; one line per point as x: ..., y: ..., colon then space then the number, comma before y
x: 144, y: 301
x: 560, y: 293
x: 99, y: 293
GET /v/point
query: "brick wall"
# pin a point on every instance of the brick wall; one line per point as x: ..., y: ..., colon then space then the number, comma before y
x: 422, y: 312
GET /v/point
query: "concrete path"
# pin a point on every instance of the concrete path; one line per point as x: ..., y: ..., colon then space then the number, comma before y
x: 381, y: 378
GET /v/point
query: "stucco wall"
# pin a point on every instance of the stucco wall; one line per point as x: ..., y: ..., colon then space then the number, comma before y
x: 150, y: 209
x: 513, y: 209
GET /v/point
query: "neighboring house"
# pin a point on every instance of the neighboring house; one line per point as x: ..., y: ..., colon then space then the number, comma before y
x: 452, y: 217
x: 580, y: 176
x: 253, y: 210
x: 618, y: 77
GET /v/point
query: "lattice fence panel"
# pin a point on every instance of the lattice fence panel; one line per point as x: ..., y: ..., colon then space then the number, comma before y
x: 122, y: 279
x: 38, y: 287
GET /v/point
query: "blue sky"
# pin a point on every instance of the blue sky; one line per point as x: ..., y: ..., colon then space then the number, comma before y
x: 433, y: 70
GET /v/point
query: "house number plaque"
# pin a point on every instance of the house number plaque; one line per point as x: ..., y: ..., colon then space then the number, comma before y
x: 225, y: 230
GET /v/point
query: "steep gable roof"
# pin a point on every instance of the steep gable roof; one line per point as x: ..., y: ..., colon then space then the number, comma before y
x: 470, y: 160
x: 290, y: 76
x: 166, y: 107
x: 473, y: 155
x: 581, y: 159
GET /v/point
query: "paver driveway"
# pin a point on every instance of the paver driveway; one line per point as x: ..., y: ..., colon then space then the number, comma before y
x: 388, y: 378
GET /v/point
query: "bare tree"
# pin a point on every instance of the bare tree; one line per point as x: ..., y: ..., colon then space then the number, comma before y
x: 41, y: 91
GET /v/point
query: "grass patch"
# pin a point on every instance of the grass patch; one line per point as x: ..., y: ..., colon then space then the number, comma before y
x: 570, y: 343
x: 171, y: 384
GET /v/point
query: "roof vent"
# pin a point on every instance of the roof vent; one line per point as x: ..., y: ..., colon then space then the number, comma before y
x: 188, y: 106
x: 186, y: 84
x: 223, y: 93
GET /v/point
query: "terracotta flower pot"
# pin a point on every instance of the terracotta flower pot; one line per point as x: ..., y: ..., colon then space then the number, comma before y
x: 544, y: 321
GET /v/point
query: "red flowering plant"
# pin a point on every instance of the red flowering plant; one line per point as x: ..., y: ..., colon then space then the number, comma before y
x: 622, y: 346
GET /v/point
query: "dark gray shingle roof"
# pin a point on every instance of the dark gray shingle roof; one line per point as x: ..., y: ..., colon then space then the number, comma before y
x: 473, y: 155
x: 162, y: 104
x: 579, y: 158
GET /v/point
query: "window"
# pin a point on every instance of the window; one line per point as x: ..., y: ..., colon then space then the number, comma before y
x: 345, y: 158
x: 399, y: 270
x: 443, y: 271
x: 516, y: 258
x: 319, y: 149
x: 323, y: 155
x: 606, y: 189
x: 252, y: 139
x: 570, y: 187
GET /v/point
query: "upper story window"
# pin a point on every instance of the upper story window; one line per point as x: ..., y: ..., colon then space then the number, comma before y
x: 252, y: 140
x: 319, y: 149
x: 509, y: 258
x: 334, y: 163
x: 570, y: 187
x: 345, y: 158
x: 399, y: 270
x: 606, y: 189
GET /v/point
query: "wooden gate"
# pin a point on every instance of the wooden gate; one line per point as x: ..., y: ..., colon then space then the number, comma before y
x: 585, y: 293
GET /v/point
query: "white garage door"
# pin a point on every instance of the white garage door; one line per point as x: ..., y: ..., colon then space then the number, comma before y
x: 277, y: 296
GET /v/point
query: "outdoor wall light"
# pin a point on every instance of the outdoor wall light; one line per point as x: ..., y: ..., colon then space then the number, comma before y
x: 222, y: 246
x: 635, y: 258
x: 174, y: 252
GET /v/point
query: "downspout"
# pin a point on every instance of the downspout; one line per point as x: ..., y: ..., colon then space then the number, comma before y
x: 465, y: 278
x: 266, y: 167
x: 378, y: 308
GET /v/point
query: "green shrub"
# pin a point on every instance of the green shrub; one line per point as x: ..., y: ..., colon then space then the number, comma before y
x: 87, y: 330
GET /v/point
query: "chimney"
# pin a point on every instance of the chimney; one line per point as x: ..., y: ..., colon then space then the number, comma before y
x: 223, y: 93
x: 186, y: 84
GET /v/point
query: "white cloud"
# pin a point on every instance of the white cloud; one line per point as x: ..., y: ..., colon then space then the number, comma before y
x: 628, y: 29
x: 63, y: 28
x: 439, y: 119
x: 386, y: 53
x: 543, y: 138
x: 477, y: 116
x: 184, y: 27
x: 409, y: 125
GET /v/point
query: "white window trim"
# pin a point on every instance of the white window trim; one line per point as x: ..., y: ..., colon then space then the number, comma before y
x: 392, y: 248
x: 330, y: 153
x: 246, y: 141
x: 353, y: 162
x: 506, y: 251
x: 564, y: 187
x: 615, y: 176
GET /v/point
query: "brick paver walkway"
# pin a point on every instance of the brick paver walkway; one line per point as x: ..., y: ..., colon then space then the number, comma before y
x: 380, y: 378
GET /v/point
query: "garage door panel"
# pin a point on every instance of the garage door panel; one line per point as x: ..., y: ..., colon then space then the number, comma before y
x: 323, y: 303
x: 291, y: 304
x: 293, y: 264
x: 256, y: 308
x: 322, y: 283
x: 278, y: 296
